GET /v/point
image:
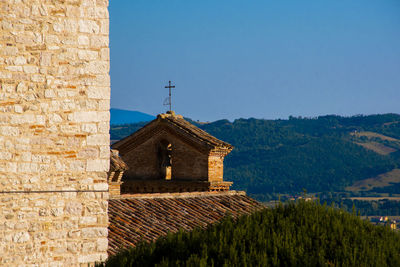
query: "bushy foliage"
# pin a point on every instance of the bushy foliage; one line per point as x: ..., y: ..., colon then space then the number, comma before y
x: 302, y: 234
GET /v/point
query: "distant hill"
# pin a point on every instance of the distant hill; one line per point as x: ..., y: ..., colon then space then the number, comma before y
x: 120, y: 116
x: 323, y: 154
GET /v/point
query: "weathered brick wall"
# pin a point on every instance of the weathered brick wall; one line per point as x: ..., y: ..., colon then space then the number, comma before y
x: 54, y: 131
x: 187, y: 161
x: 142, y: 161
x: 216, y: 168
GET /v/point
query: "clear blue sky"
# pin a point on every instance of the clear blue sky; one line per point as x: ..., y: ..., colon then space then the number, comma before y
x: 257, y: 58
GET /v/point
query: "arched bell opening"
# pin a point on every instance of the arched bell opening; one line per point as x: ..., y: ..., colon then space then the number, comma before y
x: 165, y: 159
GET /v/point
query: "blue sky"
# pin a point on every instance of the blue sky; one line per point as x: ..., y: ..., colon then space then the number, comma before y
x: 256, y: 58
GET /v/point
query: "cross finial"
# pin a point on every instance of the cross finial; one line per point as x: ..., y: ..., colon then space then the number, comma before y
x: 169, y: 102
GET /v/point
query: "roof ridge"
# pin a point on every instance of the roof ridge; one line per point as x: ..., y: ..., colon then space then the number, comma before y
x: 194, y: 130
x: 185, y: 127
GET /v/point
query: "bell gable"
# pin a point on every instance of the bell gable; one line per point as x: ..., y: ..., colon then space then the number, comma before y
x: 171, y: 155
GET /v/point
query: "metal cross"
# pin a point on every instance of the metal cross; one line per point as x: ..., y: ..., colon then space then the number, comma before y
x: 169, y: 86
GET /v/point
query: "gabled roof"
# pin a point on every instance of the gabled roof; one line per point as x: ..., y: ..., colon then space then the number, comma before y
x: 180, y: 126
x: 149, y: 216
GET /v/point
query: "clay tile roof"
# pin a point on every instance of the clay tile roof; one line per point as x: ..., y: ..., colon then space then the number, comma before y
x: 146, y: 218
x: 116, y: 162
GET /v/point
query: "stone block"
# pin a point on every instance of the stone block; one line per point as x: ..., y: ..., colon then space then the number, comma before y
x: 13, y: 68
x: 88, y: 26
x: 9, y: 51
x: 90, y: 258
x: 45, y: 59
x: 99, y: 92
x: 89, y: 128
x: 89, y: 116
x: 94, y: 232
x: 26, y: 167
x: 21, y: 237
x: 70, y: 25
x: 100, y: 187
x: 102, y: 12
x: 99, y: 165
x: 31, y: 69
x: 88, y: 55
x: 4, y: 155
x: 55, y: 235
x: 18, y: 109
x: 73, y: 247
x: 77, y: 166
x: 102, y: 244
x: 9, y: 131
x: 105, y: 152
x: 92, y: 220
x: 90, y: 152
x: 76, y: 233
x: 97, y: 67
x: 97, y: 139
x: 20, y: 60
x: 38, y: 78
x: 99, y: 41
x: 73, y: 208
x: 5, y: 75
x: 23, y: 119
x: 21, y: 87
x: 88, y: 247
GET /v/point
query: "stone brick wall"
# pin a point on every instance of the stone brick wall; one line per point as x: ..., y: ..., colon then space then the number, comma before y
x: 144, y: 166
x: 187, y: 162
x: 216, y: 168
x: 54, y: 131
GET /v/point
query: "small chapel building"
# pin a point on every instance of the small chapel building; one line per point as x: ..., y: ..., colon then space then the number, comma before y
x: 170, y: 155
x: 165, y: 177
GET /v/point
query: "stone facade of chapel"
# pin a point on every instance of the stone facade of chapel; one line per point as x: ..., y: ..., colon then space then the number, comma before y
x: 172, y: 155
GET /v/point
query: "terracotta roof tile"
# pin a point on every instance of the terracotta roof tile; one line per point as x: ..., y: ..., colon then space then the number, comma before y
x: 146, y: 218
x: 195, y: 131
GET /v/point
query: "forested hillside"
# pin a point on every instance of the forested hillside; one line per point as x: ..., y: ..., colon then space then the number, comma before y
x: 302, y: 234
x: 320, y: 154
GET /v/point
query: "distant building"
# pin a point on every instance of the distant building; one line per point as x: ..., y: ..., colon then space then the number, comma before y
x: 170, y: 154
x: 393, y: 225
